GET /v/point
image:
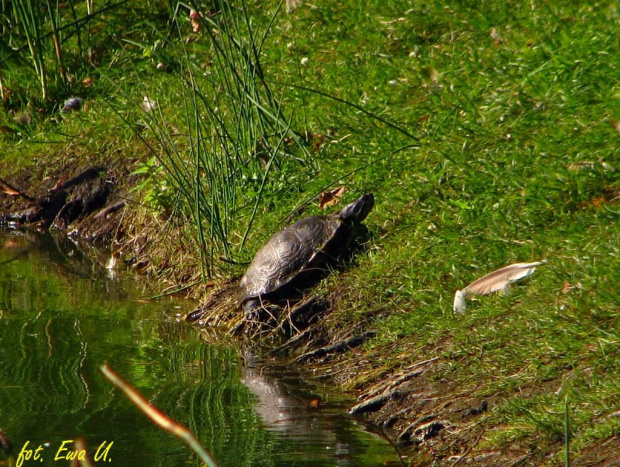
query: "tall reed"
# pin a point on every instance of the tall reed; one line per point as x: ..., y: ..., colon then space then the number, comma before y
x: 38, y: 31
x: 28, y: 16
x: 233, y: 129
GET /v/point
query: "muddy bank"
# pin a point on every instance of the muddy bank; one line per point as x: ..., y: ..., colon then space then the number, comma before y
x: 83, y: 201
x: 91, y: 201
x: 427, y: 416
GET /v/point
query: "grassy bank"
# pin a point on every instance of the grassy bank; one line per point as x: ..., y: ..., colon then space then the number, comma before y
x: 487, y: 133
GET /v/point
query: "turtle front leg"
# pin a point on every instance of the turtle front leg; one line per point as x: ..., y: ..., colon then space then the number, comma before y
x: 251, y: 314
x: 251, y: 309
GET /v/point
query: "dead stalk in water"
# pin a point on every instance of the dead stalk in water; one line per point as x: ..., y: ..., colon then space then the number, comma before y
x: 158, y: 417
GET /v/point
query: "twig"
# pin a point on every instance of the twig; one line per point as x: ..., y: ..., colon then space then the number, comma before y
x: 80, y: 446
x: 158, y: 417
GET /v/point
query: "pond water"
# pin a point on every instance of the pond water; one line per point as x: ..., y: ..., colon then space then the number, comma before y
x: 62, y: 316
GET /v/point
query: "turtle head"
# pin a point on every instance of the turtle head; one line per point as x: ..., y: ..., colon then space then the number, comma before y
x: 358, y: 209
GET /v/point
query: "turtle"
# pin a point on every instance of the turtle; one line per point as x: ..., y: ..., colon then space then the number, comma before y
x: 298, y: 252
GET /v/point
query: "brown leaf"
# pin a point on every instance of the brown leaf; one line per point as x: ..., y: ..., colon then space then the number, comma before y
x: 423, y: 118
x: 567, y: 287
x: 318, y: 142
x: 61, y: 181
x: 8, y: 189
x: 194, y: 17
x: 331, y: 198
x: 598, y: 201
x: 314, y: 403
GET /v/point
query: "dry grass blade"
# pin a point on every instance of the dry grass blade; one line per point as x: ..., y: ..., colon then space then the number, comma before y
x: 496, y: 281
x: 158, y: 417
x: 80, y: 447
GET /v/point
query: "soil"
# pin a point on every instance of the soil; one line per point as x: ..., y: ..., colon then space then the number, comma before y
x: 84, y: 200
x: 429, y: 419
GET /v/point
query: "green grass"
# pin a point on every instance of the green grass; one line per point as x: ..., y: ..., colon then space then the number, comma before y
x: 515, y: 106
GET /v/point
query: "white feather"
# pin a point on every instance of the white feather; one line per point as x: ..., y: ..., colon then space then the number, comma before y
x: 496, y: 281
x: 459, y: 302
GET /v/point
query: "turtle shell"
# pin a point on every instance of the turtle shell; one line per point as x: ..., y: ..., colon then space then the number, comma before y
x: 298, y: 249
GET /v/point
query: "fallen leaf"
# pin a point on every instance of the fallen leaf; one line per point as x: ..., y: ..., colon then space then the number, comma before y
x: 567, y: 287
x: 423, y: 118
x: 318, y: 141
x: 10, y: 190
x: 331, y: 198
x: 61, y: 181
x: 597, y: 202
x: 194, y: 17
x: 314, y: 403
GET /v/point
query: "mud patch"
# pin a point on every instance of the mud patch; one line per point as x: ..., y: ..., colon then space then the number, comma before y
x: 71, y: 200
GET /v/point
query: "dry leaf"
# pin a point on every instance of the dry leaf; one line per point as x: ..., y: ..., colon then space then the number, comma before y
x: 314, y: 403
x: 8, y: 189
x: 61, y: 181
x: 567, y: 287
x: 318, y: 142
x: 11, y: 190
x: 194, y: 17
x: 331, y: 198
x: 496, y: 281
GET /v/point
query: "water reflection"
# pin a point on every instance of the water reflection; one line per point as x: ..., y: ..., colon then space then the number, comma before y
x: 295, y: 412
x: 61, y: 316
